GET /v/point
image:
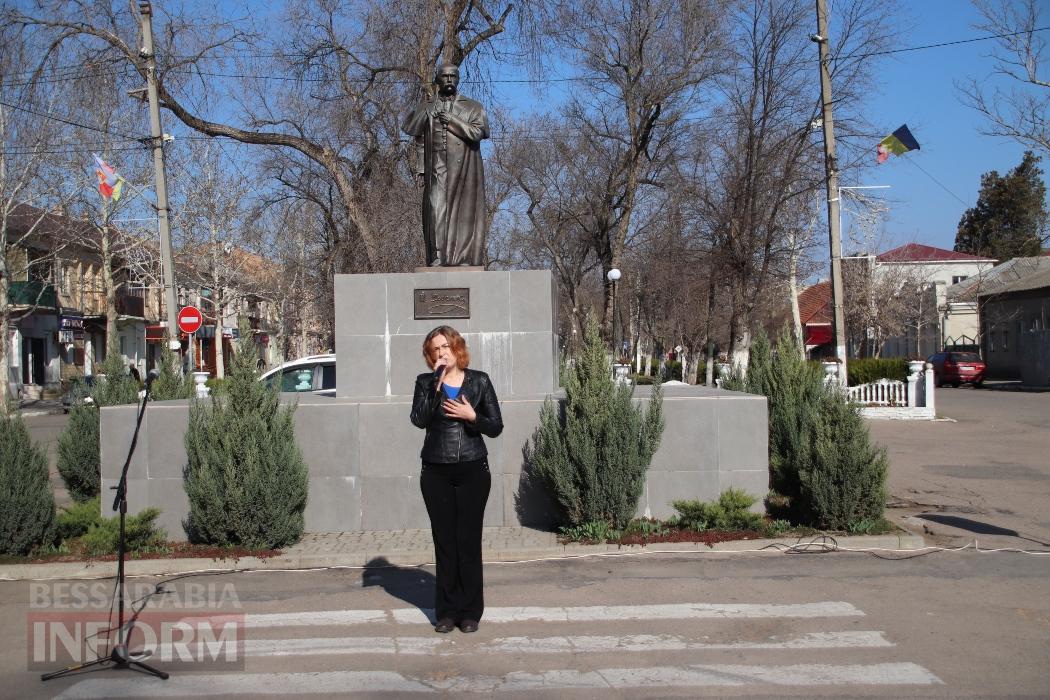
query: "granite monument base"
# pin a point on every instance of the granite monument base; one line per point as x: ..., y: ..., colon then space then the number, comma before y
x: 363, y: 457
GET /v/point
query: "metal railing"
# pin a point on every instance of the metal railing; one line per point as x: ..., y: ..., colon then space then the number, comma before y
x: 32, y: 293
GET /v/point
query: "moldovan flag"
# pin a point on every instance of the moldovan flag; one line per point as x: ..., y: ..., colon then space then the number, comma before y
x: 109, y: 182
x: 900, y: 141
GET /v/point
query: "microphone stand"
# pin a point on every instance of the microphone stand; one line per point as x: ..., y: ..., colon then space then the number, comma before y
x: 119, y: 655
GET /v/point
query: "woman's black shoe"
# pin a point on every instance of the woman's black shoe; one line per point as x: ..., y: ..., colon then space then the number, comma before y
x: 446, y: 625
x: 468, y: 626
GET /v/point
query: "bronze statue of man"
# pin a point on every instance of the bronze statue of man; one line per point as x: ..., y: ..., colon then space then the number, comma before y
x: 448, y: 129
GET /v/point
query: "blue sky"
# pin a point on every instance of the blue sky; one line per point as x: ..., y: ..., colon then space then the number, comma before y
x: 918, y: 89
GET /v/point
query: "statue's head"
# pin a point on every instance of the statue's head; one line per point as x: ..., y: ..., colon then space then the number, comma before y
x: 446, y: 78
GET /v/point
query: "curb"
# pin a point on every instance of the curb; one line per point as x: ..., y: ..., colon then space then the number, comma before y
x: 418, y: 557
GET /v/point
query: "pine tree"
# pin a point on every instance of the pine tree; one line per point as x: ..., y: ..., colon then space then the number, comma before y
x: 79, y: 458
x: 594, y: 451
x: 245, y: 476
x: 794, y: 389
x: 820, y: 453
x: 847, y: 483
x: 78, y: 453
x: 27, y: 505
x: 1010, y: 219
x: 170, y: 383
x: 118, y: 386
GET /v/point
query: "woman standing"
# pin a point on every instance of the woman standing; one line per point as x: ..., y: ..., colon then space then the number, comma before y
x: 456, y: 406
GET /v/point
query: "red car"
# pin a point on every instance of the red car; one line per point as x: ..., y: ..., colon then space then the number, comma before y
x: 957, y: 368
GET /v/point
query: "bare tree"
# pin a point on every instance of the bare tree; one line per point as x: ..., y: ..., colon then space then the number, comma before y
x: 644, y: 66
x: 549, y: 169
x: 28, y: 139
x: 1019, y: 111
x: 764, y: 173
x: 344, y: 74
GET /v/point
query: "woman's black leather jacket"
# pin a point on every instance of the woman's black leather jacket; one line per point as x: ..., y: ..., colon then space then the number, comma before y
x: 450, y: 440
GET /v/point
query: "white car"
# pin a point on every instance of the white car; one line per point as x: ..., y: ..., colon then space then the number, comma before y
x: 314, y: 374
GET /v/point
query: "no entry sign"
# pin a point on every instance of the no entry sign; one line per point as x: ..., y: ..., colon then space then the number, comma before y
x: 190, y: 319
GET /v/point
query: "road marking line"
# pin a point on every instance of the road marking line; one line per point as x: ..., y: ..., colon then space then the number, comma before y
x: 680, y: 611
x: 310, y: 618
x: 597, y: 613
x: 343, y: 682
x: 585, y: 644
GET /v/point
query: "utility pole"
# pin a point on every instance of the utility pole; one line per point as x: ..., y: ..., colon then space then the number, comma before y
x: 831, y: 170
x: 157, y: 139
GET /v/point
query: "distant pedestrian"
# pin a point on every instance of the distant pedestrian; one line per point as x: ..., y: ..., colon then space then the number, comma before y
x: 134, y: 372
x: 456, y: 406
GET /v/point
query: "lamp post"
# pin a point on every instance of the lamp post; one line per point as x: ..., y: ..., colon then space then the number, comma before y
x: 620, y: 371
x: 613, y: 275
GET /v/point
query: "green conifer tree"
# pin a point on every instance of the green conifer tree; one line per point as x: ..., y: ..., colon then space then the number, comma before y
x: 794, y: 389
x: 78, y: 453
x: 78, y: 445
x: 118, y: 386
x: 594, y: 451
x: 820, y: 454
x: 27, y: 505
x: 245, y: 475
x: 847, y: 483
x: 170, y: 382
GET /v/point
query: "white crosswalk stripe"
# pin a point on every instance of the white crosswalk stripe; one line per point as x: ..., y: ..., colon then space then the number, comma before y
x: 772, y: 637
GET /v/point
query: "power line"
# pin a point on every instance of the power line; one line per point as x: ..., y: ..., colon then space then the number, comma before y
x: 70, y: 122
x: 939, y: 183
x: 510, y: 81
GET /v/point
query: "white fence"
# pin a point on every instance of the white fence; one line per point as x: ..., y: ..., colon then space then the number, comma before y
x: 911, y: 399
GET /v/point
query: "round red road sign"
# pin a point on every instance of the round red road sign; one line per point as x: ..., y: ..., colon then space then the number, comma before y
x: 190, y: 319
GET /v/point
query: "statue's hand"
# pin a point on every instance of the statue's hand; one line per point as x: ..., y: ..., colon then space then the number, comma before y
x: 421, y: 179
x: 444, y: 117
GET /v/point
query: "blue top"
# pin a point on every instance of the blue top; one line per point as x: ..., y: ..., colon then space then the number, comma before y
x: 452, y: 391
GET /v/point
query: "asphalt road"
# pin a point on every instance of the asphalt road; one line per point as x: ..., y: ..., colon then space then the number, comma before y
x: 984, y: 474
x: 948, y: 624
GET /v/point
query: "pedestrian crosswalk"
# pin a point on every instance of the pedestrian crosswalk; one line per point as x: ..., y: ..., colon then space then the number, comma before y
x: 686, y: 647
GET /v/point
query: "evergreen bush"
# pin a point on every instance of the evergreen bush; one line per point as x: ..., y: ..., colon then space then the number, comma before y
x: 594, y: 451
x: 794, y: 389
x: 141, y: 534
x: 245, y: 475
x: 730, y: 512
x: 27, y: 505
x: 79, y: 444
x: 871, y: 369
x: 78, y: 453
x: 78, y: 518
x: 847, y: 483
x: 824, y: 469
x: 118, y: 387
x: 170, y: 383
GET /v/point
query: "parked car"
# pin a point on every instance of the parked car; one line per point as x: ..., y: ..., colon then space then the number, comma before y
x: 955, y: 368
x: 79, y: 390
x: 315, y: 374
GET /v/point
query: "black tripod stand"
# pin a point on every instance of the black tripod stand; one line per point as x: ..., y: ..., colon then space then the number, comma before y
x: 119, y: 655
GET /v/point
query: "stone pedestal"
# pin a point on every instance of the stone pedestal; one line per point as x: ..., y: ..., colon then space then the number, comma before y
x: 510, y: 330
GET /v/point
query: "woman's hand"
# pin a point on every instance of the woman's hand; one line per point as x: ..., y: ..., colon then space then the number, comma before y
x: 459, y: 409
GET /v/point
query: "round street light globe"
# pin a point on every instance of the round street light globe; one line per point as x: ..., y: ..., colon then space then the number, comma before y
x: 613, y: 274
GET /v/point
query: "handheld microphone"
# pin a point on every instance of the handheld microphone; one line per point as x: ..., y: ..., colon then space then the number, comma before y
x: 437, y: 371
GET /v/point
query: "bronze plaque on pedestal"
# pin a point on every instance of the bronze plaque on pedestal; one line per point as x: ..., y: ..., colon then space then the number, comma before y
x: 442, y: 303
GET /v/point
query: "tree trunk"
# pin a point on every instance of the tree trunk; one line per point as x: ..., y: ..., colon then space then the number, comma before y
x: 109, y: 285
x: 5, y: 345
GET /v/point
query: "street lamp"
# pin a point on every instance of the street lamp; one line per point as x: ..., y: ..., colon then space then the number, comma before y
x: 613, y: 275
